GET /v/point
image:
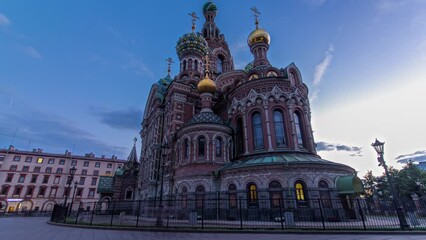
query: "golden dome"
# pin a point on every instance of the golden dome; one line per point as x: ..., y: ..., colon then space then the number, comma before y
x: 206, y: 85
x: 258, y: 35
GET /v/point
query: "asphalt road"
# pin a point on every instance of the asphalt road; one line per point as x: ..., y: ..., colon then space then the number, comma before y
x: 36, y: 228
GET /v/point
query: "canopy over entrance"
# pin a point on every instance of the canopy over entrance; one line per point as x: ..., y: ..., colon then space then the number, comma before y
x: 349, y: 185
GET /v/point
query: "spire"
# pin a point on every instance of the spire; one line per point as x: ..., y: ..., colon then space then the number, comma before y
x: 259, y: 41
x: 256, y: 15
x: 194, y: 19
x: 132, y: 156
x: 169, y: 64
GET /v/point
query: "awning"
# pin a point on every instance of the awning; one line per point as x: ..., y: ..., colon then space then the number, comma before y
x: 349, y: 185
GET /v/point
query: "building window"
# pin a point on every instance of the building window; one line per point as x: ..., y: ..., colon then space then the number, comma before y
x: 109, y: 165
x: 300, y: 194
x: 129, y: 194
x: 186, y: 143
x: 275, y: 194
x: 83, y: 171
x: 184, y: 199
x: 25, y: 168
x: 232, y: 194
x: 299, y: 131
x: 257, y: 130
x: 2, y: 157
x: 17, y: 158
x: 42, y: 191
x: 56, y: 180
x: 9, y: 177
x: 53, y: 192
x: 218, y: 146
x: 37, y: 169
x: 85, y: 163
x: 59, y: 170
x: 108, y: 172
x: 13, y: 167
x: 40, y: 160
x: 201, y: 145
x: 5, y: 189
x: 82, y: 180
x: 97, y: 164
x: 279, y: 129
x: 200, y: 193
x: 45, y: 179
x: 61, y: 161
x: 48, y: 170
x: 219, y: 64
x: 28, y: 159
x: 51, y: 161
x: 74, y: 163
x: 94, y: 181
x: 95, y: 172
x: 30, y: 191
x: 252, y: 194
x: 91, y: 193
x: 21, y: 178
x: 18, y: 190
x: 239, y: 136
x: 79, y: 192
x: 324, y: 193
x: 34, y: 178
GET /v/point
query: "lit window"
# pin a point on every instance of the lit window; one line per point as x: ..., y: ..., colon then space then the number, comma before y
x: 271, y: 74
x: 300, y: 194
x: 40, y: 160
x: 254, y: 76
x: 252, y: 194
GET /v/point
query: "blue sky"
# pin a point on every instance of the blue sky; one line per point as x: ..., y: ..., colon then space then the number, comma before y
x: 75, y: 75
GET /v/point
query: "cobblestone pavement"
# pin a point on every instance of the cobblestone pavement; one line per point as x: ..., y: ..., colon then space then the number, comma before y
x: 36, y: 228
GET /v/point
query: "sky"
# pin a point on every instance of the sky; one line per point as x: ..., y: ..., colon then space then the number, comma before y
x: 75, y: 75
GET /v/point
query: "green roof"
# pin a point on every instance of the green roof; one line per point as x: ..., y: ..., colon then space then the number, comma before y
x: 279, y: 159
x: 106, y: 184
x: 349, y: 185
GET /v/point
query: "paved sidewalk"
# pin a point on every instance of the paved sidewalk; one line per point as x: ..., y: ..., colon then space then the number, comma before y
x: 36, y: 228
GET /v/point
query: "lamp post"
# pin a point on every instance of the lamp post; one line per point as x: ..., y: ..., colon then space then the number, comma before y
x: 73, y: 195
x: 70, y: 178
x: 379, y: 147
x: 159, y: 221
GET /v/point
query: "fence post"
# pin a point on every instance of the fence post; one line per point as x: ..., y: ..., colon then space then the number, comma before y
x: 241, y: 213
x: 78, y: 212
x: 362, y: 214
x: 93, y: 213
x: 138, y: 213
x: 281, y: 215
x: 168, y: 212
x: 202, y: 214
x: 112, y: 213
x: 322, y: 214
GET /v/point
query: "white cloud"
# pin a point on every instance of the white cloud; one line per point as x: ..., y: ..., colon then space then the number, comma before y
x: 322, y: 67
x: 32, y: 52
x: 4, y: 21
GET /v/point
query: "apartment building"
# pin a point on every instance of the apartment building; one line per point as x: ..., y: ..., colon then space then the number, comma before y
x: 35, y: 180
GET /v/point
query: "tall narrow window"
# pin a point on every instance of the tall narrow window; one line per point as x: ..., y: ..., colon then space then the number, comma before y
x: 324, y: 193
x: 279, y: 129
x: 199, y: 196
x: 232, y: 194
x: 300, y: 194
x: 186, y: 145
x: 275, y: 194
x: 201, y: 145
x: 195, y: 65
x: 184, y: 65
x: 252, y: 194
x: 219, y: 64
x: 218, y: 146
x: 299, y: 132
x: 257, y: 130
x: 184, y: 199
x: 239, y: 136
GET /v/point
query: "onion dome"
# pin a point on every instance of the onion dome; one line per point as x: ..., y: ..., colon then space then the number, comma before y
x: 258, y: 35
x: 209, y: 7
x: 192, y: 43
x: 206, y: 85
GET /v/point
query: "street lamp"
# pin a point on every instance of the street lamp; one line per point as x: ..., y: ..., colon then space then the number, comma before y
x: 70, y: 178
x: 379, y: 147
x: 73, y: 195
x: 159, y: 221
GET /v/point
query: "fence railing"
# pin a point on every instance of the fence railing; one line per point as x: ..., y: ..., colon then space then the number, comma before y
x: 320, y: 214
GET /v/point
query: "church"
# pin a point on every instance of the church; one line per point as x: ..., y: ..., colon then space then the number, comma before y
x: 240, y: 135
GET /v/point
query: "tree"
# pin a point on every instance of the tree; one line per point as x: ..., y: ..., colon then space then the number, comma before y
x: 410, y: 180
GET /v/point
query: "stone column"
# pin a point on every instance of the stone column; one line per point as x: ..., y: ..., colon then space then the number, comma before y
x: 245, y: 129
x: 268, y: 127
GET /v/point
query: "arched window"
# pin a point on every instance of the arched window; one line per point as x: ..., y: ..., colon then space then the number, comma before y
x: 239, y: 136
x: 129, y: 194
x: 195, y: 65
x: 201, y: 145
x: 186, y: 145
x: 257, y: 130
x: 200, y: 193
x: 232, y: 193
x: 184, y: 198
x: 300, y: 194
x: 299, y: 130
x: 184, y: 65
x: 275, y: 194
x: 252, y: 194
x: 293, y: 78
x: 279, y: 129
x: 218, y: 146
x: 324, y: 193
x: 219, y: 64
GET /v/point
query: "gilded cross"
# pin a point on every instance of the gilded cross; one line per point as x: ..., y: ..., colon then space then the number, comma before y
x: 256, y: 15
x: 169, y: 64
x: 194, y: 19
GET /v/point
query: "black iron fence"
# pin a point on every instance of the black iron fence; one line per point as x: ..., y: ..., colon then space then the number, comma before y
x: 320, y: 214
